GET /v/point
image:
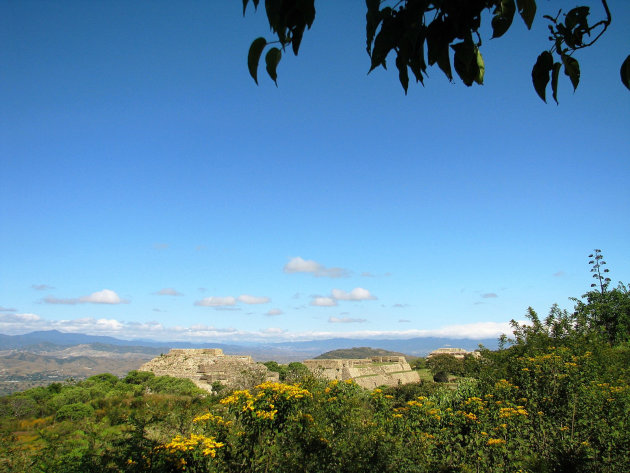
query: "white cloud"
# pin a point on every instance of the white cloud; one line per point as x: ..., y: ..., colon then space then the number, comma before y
x: 23, y: 317
x: 323, y: 302
x: 14, y: 324
x: 168, y: 291
x: 357, y: 294
x: 404, y: 321
x: 247, y: 299
x: 489, y: 295
x: 273, y: 331
x: 106, y: 296
x: 345, y: 320
x: 7, y: 309
x: 559, y: 274
x: 109, y: 324
x: 216, y: 301
x: 273, y: 312
x: 160, y: 246
x: 300, y: 265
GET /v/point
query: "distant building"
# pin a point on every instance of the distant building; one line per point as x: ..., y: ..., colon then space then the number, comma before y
x: 458, y: 353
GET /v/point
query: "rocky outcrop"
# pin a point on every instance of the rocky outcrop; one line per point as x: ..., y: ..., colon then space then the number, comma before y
x: 367, y: 372
x: 209, y: 365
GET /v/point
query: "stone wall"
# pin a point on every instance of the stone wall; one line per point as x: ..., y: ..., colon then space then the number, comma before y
x: 367, y: 372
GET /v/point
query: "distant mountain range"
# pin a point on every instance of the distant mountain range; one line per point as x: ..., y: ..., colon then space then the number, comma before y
x: 281, y: 352
x: 40, y: 358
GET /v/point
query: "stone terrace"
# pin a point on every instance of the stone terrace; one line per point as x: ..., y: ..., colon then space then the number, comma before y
x: 367, y: 372
x: 209, y: 365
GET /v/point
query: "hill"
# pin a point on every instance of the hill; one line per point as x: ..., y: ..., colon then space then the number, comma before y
x: 356, y: 352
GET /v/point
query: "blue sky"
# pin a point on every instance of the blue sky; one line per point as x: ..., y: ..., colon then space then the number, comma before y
x: 150, y: 189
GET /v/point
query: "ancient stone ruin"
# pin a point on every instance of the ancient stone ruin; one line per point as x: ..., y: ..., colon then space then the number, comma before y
x: 366, y: 372
x: 209, y: 365
x: 459, y: 353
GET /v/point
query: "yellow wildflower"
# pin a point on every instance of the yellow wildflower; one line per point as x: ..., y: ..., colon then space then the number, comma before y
x: 495, y: 442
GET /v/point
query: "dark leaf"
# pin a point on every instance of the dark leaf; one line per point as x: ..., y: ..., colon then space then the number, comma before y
x: 372, y: 20
x: 465, y: 61
x: 503, y: 16
x: 527, y: 10
x: 571, y: 69
x: 253, y: 57
x: 296, y: 39
x: 307, y: 10
x: 540, y: 73
x: 272, y: 59
x: 275, y: 15
x: 383, y: 43
x: 437, y: 47
x: 416, y: 57
x: 403, y: 74
x: 577, y: 17
x: 625, y: 73
x: 245, y: 2
x: 554, y: 80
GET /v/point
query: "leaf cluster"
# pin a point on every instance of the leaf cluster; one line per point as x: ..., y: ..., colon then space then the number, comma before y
x: 288, y: 19
x: 423, y: 33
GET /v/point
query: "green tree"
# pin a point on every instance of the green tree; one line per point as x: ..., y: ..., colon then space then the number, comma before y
x: 74, y: 412
x: 442, y: 365
x: 422, y: 33
x: 603, y: 310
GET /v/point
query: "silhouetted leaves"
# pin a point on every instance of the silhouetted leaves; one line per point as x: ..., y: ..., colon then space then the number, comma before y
x: 625, y: 72
x: 372, y: 20
x: 272, y: 59
x: 466, y: 62
x: 288, y: 19
x: 245, y: 2
x: 540, y: 73
x: 503, y: 16
x: 403, y: 27
x: 384, y: 41
x: 437, y: 46
x: 253, y: 58
x: 572, y: 69
x: 527, y: 10
x: 554, y: 80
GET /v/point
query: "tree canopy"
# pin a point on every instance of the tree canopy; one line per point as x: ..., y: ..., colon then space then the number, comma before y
x: 423, y: 33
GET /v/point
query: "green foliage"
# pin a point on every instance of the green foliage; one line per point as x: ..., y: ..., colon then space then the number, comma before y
x: 74, y: 412
x: 138, y: 377
x: 443, y: 365
x: 421, y: 33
